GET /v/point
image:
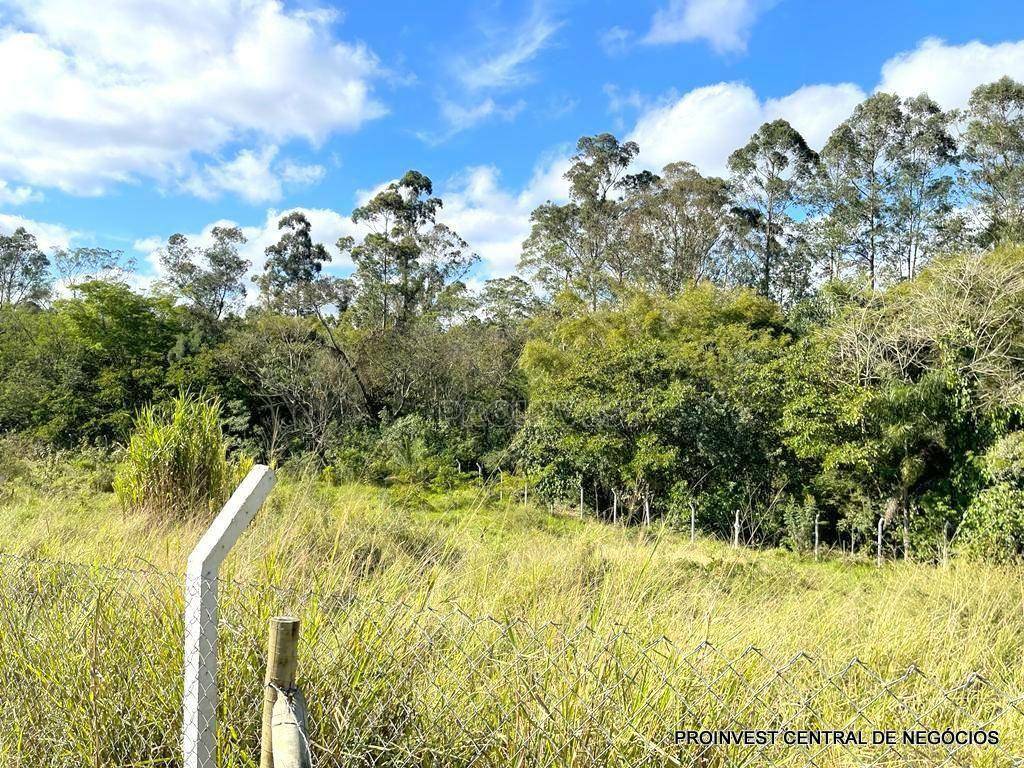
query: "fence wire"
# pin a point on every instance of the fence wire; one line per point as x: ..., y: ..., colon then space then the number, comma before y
x: 92, y: 668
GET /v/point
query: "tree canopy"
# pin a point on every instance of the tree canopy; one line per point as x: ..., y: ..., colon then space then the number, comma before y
x: 834, y: 336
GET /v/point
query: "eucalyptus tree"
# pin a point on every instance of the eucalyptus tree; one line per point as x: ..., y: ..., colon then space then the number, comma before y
x: 924, y: 182
x: 81, y: 264
x: 578, y: 245
x: 210, y: 279
x: 676, y: 224
x: 24, y: 273
x: 889, y: 173
x: 508, y: 301
x: 863, y: 154
x: 292, y: 282
x: 769, y: 176
x: 993, y: 148
x: 408, y: 263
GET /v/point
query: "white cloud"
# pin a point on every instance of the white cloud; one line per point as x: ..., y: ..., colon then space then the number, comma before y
x: 503, y: 62
x: 615, y: 41
x: 491, y: 219
x: 702, y: 127
x: 815, y: 110
x: 495, y: 220
x: 48, y: 236
x: 621, y: 103
x: 18, y: 195
x: 298, y: 173
x: 122, y: 90
x: 461, y: 118
x: 248, y: 175
x: 705, y: 125
x: 618, y: 101
x: 363, y: 196
x: 548, y: 180
x: 252, y: 175
x: 725, y: 24
x: 500, y: 64
x: 948, y: 73
x: 146, y: 245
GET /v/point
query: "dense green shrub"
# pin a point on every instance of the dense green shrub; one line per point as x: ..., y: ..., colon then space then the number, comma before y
x: 993, y: 527
x: 176, y: 461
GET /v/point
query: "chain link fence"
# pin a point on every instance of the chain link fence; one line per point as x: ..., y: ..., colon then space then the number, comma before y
x: 92, y: 667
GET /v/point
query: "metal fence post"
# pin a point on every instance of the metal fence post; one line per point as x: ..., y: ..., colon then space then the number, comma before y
x: 199, y: 715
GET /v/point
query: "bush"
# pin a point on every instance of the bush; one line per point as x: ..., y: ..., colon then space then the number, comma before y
x: 176, y: 461
x: 993, y: 528
x: 799, y: 521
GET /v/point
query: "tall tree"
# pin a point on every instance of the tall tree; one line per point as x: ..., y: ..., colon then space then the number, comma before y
x: 210, y: 279
x: 23, y: 269
x: 675, y: 227
x: 507, y: 301
x: 863, y: 154
x: 924, y: 183
x: 81, y: 264
x: 769, y: 175
x: 887, y: 170
x: 578, y: 245
x: 292, y: 282
x: 994, y: 157
x: 408, y: 263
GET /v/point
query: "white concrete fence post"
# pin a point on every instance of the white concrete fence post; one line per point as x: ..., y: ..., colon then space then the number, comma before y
x: 199, y: 723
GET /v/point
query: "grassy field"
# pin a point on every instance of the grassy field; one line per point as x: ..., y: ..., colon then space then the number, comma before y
x: 490, y: 600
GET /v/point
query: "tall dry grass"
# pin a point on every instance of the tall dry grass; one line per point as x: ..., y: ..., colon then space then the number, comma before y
x: 468, y: 628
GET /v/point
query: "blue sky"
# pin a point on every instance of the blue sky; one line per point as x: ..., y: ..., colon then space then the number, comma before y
x: 127, y: 121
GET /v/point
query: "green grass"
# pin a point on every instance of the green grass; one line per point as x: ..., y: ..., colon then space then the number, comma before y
x: 403, y: 666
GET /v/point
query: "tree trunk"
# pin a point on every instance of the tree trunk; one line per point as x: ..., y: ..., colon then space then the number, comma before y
x: 766, y: 275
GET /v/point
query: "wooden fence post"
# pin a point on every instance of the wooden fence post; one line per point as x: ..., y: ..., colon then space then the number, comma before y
x: 199, y: 700
x: 945, y: 545
x: 282, y: 658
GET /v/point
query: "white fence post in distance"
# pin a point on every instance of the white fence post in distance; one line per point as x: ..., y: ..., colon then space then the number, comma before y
x: 199, y: 721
